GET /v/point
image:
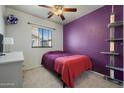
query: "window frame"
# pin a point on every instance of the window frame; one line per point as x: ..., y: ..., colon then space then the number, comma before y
x: 49, y: 31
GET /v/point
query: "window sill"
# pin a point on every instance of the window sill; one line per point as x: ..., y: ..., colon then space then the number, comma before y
x: 43, y: 47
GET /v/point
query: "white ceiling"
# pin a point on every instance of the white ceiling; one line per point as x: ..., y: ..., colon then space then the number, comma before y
x: 43, y: 12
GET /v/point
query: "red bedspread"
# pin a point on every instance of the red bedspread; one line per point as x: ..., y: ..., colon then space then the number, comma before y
x: 70, y: 67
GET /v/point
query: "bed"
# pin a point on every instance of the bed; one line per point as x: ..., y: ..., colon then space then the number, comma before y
x: 68, y: 65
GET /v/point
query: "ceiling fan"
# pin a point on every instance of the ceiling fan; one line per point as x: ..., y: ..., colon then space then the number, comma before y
x: 58, y: 10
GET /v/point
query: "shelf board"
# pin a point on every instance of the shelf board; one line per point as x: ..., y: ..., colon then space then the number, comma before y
x: 115, y: 68
x: 115, y: 40
x: 119, y: 82
x: 116, y: 24
x: 109, y: 53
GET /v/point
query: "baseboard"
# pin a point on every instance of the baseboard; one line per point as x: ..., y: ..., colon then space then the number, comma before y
x: 98, y: 73
x: 31, y: 67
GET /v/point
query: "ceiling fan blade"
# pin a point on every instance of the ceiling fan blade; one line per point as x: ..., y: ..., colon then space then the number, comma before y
x: 62, y: 17
x: 70, y: 9
x: 50, y: 15
x: 45, y: 6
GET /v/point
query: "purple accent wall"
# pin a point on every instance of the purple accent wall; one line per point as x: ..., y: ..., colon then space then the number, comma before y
x: 87, y: 36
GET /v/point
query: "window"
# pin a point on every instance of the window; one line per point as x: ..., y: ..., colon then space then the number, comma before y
x: 41, y: 38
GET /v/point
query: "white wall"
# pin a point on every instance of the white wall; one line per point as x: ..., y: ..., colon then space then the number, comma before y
x: 2, y: 22
x: 21, y: 33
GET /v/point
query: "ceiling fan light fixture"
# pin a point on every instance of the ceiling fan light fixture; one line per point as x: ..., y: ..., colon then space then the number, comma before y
x: 60, y: 11
x: 57, y: 10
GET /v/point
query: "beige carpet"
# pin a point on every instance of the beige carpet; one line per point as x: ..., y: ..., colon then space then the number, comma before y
x: 42, y: 78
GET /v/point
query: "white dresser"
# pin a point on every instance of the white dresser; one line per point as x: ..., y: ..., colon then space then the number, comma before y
x: 11, y: 70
